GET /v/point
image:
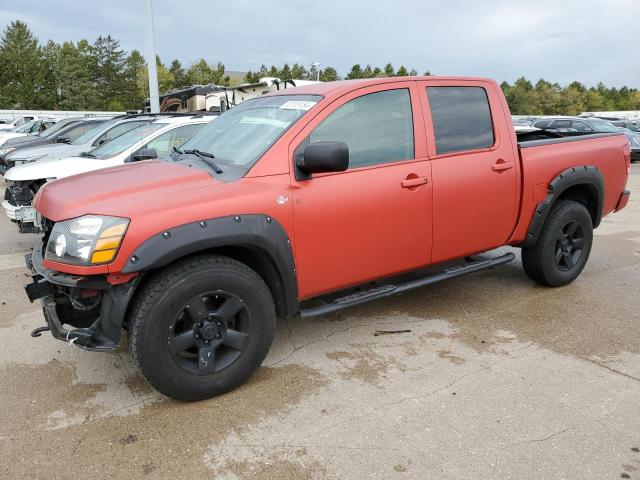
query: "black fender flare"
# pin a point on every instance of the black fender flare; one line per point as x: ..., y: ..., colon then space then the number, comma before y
x: 257, y: 232
x: 586, y: 175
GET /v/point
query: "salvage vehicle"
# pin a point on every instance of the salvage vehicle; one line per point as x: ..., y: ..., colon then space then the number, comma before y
x: 18, y: 122
x: 569, y: 126
x: 309, y: 201
x: 64, y: 131
x: 146, y: 141
x: 33, y: 127
x: 634, y: 126
x: 95, y: 136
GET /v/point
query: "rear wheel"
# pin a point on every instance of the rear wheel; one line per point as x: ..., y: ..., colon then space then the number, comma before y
x: 202, y: 327
x: 563, y: 247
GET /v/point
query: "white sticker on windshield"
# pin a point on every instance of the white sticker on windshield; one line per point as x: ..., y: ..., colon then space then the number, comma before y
x: 297, y: 105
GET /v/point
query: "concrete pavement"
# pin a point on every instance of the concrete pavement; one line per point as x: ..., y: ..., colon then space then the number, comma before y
x: 493, y: 377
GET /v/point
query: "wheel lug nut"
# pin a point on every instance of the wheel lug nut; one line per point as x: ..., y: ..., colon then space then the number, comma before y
x: 197, y: 336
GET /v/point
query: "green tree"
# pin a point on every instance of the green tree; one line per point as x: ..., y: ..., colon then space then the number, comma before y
x: 299, y: 72
x: 20, y: 67
x: 389, y: 71
x: 136, y: 81
x: 547, y: 98
x: 329, y: 74
x: 109, y: 64
x: 178, y: 73
x: 251, y: 77
x: 402, y: 71
x: 356, y: 72
x: 285, y: 72
x: 199, y: 73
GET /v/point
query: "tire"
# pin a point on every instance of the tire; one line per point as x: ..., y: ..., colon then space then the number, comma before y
x: 563, y: 247
x: 201, y: 327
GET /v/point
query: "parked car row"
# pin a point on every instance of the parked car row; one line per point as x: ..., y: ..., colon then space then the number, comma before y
x: 86, y: 145
x: 574, y: 126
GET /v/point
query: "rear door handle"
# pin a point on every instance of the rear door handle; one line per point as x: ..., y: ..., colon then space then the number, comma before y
x: 501, y: 165
x: 414, y: 182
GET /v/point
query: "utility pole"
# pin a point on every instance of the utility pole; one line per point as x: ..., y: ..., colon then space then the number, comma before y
x: 154, y: 100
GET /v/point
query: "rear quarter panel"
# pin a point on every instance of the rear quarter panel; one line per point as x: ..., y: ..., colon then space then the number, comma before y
x: 541, y: 164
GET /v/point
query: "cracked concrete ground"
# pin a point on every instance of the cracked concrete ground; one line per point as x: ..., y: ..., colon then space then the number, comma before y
x: 488, y: 376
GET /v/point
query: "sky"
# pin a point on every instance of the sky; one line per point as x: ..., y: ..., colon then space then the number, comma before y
x: 558, y: 40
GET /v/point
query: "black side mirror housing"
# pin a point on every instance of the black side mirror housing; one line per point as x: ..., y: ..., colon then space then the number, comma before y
x: 145, y: 154
x: 322, y: 157
x: 63, y: 140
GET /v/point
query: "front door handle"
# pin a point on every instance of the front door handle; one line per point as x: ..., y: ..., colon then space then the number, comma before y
x: 414, y: 182
x: 501, y: 165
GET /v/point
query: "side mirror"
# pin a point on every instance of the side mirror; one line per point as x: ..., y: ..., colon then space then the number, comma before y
x: 145, y: 154
x: 63, y: 140
x: 323, y: 157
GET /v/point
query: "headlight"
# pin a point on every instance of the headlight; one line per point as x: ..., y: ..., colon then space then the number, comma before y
x: 6, y: 151
x: 636, y: 140
x: 88, y: 240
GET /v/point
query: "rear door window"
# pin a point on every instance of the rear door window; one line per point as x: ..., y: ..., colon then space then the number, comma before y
x: 562, y: 124
x: 461, y: 118
x: 117, y: 131
x: 78, y: 130
x: 581, y: 126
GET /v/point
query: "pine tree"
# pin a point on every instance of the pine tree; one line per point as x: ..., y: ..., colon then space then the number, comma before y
x: 356, y: 72
x: 178, y: 73
x: 20, y: 67
x: 329, y: 74
x: 389, y: 71
x: 109, y: 69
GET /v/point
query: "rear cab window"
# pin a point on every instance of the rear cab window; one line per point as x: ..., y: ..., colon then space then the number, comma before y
x: 461, y: 118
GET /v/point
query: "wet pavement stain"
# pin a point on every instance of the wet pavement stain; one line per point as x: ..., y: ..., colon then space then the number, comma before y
x: 177, y: 433
x: 365, y: 364
x: 446, y: 354
x: 50, y: 398
x: 273, y: 467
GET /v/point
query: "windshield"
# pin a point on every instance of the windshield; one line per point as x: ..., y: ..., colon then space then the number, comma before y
x: 120, y: 143
x: 55, y: 127
x: 87, y: 136
x: 26, y: 127
x: 241, y: 135
x: 602, y: 126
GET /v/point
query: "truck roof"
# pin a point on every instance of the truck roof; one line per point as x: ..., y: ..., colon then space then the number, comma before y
x: 333, y: 89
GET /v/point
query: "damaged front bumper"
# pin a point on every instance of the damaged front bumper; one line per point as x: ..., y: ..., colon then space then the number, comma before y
x: 98, y: 323
x: 24, y: 215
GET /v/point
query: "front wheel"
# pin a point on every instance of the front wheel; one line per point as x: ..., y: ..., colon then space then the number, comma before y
x: 563, y: 247
x: 201, y: 327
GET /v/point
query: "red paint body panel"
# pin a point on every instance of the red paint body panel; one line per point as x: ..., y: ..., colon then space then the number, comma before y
x: 350, y: 227
x: 542, y: 164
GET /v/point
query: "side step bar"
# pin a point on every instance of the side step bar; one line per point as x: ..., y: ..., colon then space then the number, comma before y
x: 387, y: 290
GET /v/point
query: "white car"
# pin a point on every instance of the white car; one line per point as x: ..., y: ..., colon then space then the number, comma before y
x: 151, y: 140
x: 18, y: 122
x: 32, y: 127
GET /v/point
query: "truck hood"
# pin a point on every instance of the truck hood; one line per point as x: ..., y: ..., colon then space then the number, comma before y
x: 122, y: 191
x: 53, y: 168
x: 54, y: 151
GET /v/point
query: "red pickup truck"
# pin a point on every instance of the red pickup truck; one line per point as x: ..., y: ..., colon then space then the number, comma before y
x: 330, y: 191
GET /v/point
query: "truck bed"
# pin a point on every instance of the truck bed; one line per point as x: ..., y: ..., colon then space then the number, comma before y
x: 608, y: 152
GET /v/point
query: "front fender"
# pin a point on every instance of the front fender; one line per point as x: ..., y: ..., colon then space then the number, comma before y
x: 261, y: 233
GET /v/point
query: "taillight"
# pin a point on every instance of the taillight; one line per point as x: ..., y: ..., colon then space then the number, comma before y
x: 626, y: 152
